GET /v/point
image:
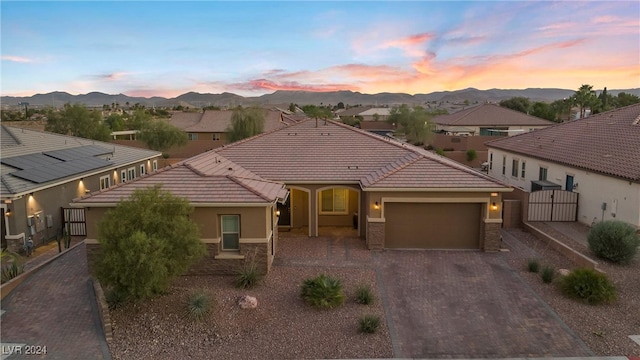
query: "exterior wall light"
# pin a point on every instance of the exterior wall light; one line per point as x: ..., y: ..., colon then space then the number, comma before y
x: 494, y: 206
x: 494, y: 194
x: 277, y: 212
x: 376, y: 206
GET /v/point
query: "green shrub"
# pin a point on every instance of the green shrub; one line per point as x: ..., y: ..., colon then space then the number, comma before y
x: 198, y: 305
x: 533, y: 265
x: 369, y: 324
x: 248, y: 277
x: 471, y: 155
x: 589, y: 285
x: 323, y: 292
x: 364, y: 295
x: 440, y: 152
x: 548, y: 274
x: 615, y: 241
x: 11, y: 271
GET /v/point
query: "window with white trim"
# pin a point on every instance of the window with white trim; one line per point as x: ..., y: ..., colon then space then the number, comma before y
x: 154, y: 165
x: 143, y: 169
x: 215, y: 136
x: 105, y: 182
x: 192, y: 136
x: 524, y: 167
x: 334, y: 201
x: 515, y: 164
x: 230, y: 225
x: 131, y: 173
x: 490, y: 161
x: 504, y: 164
x: 542, y: 174
x: 123, y: 176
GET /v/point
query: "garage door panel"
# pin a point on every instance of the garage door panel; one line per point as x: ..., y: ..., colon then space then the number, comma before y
x: 432, y: 225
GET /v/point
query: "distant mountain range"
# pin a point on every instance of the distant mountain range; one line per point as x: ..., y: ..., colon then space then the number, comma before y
x: 193, y: 99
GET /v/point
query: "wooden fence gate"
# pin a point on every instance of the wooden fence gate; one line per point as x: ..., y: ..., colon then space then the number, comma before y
x: 553, y: 205
x: 74, y: 221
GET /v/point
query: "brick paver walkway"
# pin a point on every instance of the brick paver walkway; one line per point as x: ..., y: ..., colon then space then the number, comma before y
x: 56, y: 308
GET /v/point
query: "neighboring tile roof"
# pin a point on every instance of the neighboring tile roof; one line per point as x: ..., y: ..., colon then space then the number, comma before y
x: 354, y: 111
x: 339, y: 153
x: 28, y: 142
x: 219, y: 121
x: 607, y: 143
x: 376, y: 125
x: 201, y: 180
x: 489, y: 115
x: 378, y: 111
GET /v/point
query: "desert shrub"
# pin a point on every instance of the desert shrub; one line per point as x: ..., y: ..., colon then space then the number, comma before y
x: 548, y: 274
x: 248, y: 277
x: 369, y: 324
x: 364, y: 295
x: 322, y: 291
x: 588, y: 285
x: 198, y: 305
x: 11, y: 271
x: 440, y: 152
x: 115, y: 298
x: 471, y: 155
x: 533, y: 265
x: 615, y: 241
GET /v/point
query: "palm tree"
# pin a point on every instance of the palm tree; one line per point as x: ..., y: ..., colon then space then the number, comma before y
x: 585, y: 98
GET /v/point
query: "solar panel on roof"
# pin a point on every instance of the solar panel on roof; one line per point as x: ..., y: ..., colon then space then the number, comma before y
x: 29, y: 161
x: 61, y: 169
x: 78, y: 152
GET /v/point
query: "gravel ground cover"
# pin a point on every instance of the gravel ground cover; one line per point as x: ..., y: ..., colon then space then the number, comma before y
x: 281, y: 327
x: 604, y: 328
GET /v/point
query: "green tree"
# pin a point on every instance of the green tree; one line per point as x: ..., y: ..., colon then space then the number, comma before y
x: 317, y: 112
x: 518, y: 103
x: 245, y: 123
x: 292, y: 107
x: 139, y: 120
x: 414, y: 122
x: 77, y: 120
x: 115, y: 122
x: 543, y: 111
x: 562, y: 109
x: 160, y: 136
x: 147, y: 241
x: 340, y: 105
x: 585, y: 98
x: 624, y: 99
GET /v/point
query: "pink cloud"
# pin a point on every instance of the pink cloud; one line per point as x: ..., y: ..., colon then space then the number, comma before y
x: 411, y: 40
x: 18, y: 59
x: 264, y: 84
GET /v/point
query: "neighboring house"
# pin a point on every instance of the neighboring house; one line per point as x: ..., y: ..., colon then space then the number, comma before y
x: 42, y: 172
x: 488, y: 120
x: 377, y: 127
x: 598, y: 157
x: 366, y: 113
x: 397, y: 195
x: 208, y: 130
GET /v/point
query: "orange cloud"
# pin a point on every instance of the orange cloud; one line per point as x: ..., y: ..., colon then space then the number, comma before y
x: 264, y: 84
x: 409, y: 40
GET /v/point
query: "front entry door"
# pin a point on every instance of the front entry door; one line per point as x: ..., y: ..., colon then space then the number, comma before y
x: 285, y: 213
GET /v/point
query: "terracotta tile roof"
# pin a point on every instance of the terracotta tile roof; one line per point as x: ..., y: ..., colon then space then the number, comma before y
x: 489, y: 115
x: 218, y: 121
x: 354, y: 111
x: 200, y: 180
x: 376, y: 125
x: 608, y: 143
x: 339, y: 153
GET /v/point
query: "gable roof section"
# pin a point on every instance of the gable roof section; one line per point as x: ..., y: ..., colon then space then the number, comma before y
x: 219, y: 121
x: 337, y: 153
x: 41, y: 159
x: 607, y: 143
x: 489, y: 115
x: 200, y: 180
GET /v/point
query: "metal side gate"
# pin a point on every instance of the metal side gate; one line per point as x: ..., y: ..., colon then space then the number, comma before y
x: 553, y: 205
x: 74, y: 221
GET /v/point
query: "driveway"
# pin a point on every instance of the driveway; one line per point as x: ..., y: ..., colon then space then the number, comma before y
x: 448, y: 304
x: 56, y: 308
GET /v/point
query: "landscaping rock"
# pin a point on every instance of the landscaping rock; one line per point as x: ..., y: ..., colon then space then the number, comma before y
x: 248, y: 302
x: 563, y: 272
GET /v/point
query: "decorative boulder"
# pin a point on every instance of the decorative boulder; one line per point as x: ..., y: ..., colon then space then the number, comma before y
x: 563, y: 272
x: 248, y: 302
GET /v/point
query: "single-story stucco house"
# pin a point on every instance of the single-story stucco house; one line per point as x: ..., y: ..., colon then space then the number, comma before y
x: 317, y: 174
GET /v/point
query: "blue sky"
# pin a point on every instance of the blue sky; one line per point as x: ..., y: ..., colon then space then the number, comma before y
x: 251, y: 48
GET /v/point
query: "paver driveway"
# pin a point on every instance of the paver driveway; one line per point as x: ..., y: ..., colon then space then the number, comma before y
x: 443, y: 304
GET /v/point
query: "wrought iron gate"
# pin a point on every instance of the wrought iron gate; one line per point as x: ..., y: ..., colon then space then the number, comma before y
x: 553, y: 205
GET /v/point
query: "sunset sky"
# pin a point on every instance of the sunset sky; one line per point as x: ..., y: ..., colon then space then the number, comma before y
x: 252, y: 48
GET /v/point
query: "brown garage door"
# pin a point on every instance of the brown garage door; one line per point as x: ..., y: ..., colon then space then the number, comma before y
x: 432, y: 226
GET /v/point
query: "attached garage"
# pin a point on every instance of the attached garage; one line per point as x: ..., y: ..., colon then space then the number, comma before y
x: 433, y: 225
